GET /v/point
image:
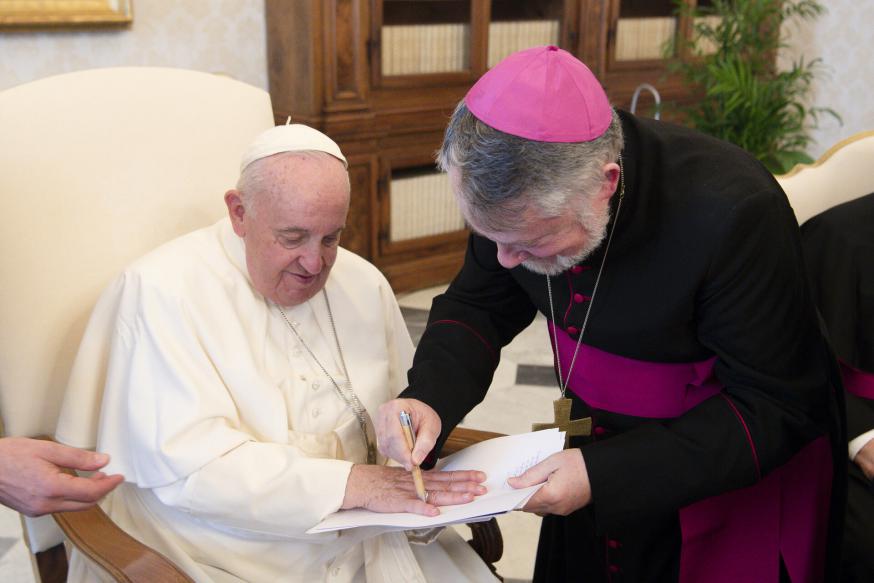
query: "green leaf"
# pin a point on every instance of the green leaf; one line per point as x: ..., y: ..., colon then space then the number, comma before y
x: 787, y: 160
x: 744, y: 99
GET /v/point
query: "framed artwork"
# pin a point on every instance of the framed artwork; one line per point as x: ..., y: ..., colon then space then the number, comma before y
x: 64, y: 13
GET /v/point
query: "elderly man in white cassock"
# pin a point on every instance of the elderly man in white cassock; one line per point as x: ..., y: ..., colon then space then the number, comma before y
x: 235, y: 368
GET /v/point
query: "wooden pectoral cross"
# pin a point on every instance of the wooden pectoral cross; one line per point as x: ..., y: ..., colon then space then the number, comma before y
x: 562, y: 408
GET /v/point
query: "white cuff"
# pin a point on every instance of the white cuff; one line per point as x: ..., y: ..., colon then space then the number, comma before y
x: 858, y: 443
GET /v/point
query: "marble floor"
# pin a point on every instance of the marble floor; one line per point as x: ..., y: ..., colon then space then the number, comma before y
x: 521, y: 393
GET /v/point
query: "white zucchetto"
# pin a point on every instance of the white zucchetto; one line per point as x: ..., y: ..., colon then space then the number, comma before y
x: 290, y: 138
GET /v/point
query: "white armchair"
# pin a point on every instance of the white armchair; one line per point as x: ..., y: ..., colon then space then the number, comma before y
x: 842, y: 174
x: 97, y: 168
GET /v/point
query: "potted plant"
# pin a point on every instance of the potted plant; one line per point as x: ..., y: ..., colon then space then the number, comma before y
x: 744, y: 98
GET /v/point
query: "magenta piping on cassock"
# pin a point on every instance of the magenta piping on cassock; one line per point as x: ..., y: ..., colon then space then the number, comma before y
x: 570, y: 303
x: 735, y: 536
x: 857, y: 382
x: 747, y: 431
x: 472, y: 331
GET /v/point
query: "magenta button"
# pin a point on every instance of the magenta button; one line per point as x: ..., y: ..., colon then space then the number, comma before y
x: 578, y: 298
x: 614, y: 544
x: 572, y: 330
x: 576, y: 269
x: 599, y: 431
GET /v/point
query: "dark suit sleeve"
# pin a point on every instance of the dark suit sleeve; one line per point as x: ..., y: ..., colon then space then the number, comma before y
x: 482, y: 310
x: 839, y: 254
x: 860, y: 416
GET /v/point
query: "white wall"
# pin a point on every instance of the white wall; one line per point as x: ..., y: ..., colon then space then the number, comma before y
x: 214, y: 36
x: 842, y: 38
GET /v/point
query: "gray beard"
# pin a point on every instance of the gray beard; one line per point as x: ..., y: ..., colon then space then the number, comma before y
x: 594, y: 225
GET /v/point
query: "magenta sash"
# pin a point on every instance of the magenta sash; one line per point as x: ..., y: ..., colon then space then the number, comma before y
x: 735, y: 536
x: 858, y: 382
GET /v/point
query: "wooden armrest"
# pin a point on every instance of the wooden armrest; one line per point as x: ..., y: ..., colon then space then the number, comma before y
x: 122, y: 556
x: 462, y: 437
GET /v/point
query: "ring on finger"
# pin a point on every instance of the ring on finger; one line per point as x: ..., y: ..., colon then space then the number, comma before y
x: 427, y: 496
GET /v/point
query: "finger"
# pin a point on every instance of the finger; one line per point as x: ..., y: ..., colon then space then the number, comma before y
x: 426, y: 425
x: 475, y: 488
x: 472, y: 487
x: 416, y: 506
x: 456, y: 476
x: 389, y: 435
x: 536, y: 474
x: 447, y: 498
x: 71, y: 457
x: 90, y: 490
x: 66, y: 506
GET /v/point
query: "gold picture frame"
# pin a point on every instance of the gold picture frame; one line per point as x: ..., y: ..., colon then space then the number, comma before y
x: 65, y: 13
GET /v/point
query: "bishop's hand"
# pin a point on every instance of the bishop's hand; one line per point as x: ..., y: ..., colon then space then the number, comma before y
x: 567, y: 485
x: 390, y: 437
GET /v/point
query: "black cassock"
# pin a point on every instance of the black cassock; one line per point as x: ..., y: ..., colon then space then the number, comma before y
x: 839, y: 250
x: 705, y: 267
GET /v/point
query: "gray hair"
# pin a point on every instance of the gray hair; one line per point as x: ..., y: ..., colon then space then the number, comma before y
x: 253, y: 179
x: 501, y: 175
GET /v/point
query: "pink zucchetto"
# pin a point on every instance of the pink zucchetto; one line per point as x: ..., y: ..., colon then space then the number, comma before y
x: 544, y: 94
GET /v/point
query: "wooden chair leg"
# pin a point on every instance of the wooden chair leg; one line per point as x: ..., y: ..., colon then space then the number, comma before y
x: 52, y: 564
x: 487, y: 542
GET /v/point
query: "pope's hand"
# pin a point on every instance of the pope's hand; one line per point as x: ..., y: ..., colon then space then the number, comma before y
x: 865, y: 459
x: 390, y: 436
x: 567, y: 485
x: 391, y: 489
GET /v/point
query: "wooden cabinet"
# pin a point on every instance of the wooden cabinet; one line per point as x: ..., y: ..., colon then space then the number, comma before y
x: 381, y: 77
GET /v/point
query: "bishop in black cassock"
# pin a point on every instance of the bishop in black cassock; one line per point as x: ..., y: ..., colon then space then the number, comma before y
x: 714, y: 399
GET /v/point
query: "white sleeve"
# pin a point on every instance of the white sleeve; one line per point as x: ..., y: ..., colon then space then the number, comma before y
x: 262, y: 488
x: 858, y: 443
x: 172, y: 426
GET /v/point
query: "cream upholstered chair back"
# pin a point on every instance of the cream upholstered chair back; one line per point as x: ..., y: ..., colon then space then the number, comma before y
x: 842, y: 174
x: 96, y: 168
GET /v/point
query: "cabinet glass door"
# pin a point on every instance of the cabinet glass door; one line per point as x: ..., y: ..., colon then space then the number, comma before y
x: 643, y: 29
x: 518, y: 25
x: 422, y: 204
x: 424, y: 37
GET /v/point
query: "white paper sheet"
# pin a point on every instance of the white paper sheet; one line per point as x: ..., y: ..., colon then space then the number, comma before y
x: 500, y: 458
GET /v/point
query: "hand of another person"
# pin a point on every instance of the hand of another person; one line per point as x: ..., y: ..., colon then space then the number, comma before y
x: 865, y: 459
x: 567, y: 485
x: 391, y: 489
x: 31, y: 480
x: 390, y: 437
